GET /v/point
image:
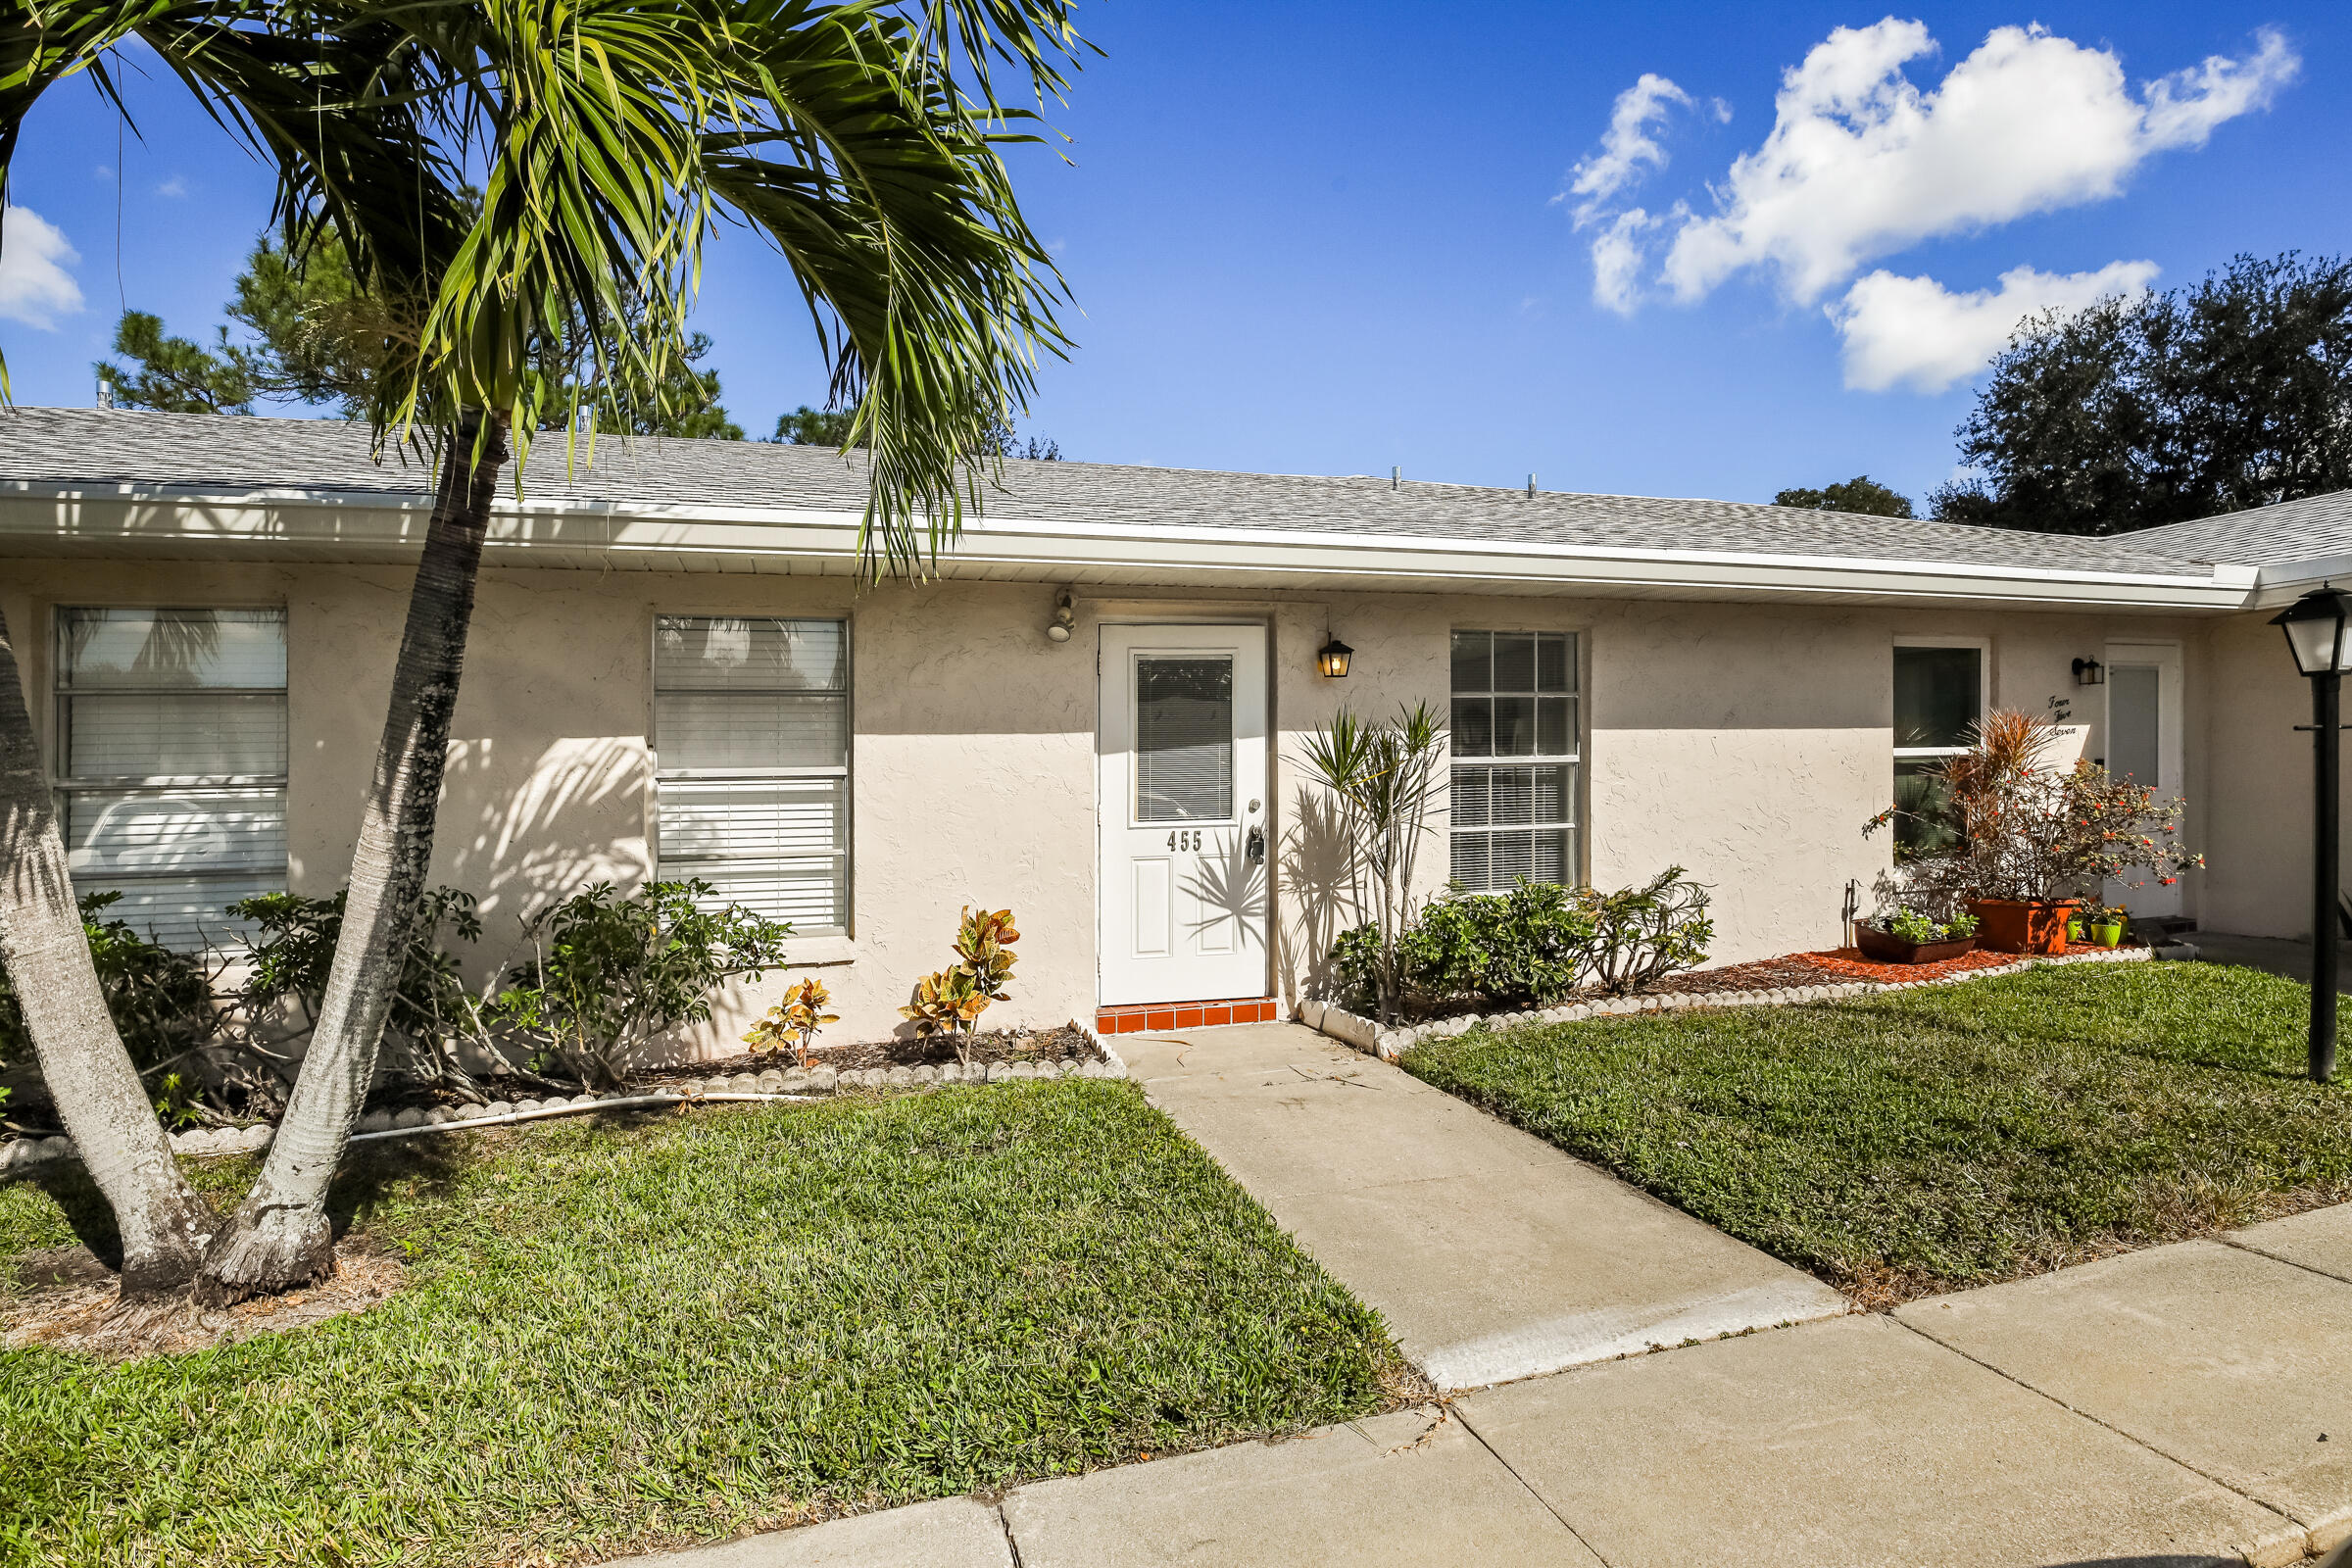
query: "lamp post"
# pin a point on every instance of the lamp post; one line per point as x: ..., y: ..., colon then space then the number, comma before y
x: 2314, y: 627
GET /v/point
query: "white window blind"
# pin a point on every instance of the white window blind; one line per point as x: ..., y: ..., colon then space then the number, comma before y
x: 172, y: 762
x: 751, y: 732
x: 1515, y: 757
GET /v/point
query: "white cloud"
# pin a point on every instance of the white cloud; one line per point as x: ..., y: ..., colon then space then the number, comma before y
x: 1628, y: 151
x: 1861, y: 163
x: 1618, y: 255
x: 1914, y: 332
x: 34, y: 286
x: 174, y: 186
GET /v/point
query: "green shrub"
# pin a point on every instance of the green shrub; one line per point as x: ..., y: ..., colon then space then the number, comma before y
x: 1521, y: 948
x: 1642, y: 935
x: 160, y: 1000
x: 608, y: 974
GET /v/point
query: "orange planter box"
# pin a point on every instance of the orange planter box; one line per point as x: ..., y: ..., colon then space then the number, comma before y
x: 2012, y: 926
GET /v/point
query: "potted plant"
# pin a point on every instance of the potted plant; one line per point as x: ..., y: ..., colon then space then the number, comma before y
x: 1909, y: 937
x: 2106, y: 923
x: 2033, y: 837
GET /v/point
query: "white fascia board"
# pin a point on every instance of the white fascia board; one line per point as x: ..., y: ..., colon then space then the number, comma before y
x: 125, y: 516
x: 2283, y: 583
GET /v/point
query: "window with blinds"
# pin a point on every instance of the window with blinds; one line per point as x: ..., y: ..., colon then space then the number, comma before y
x: 752, y: 737
x: 1515, y: 757
x: 170, y: 762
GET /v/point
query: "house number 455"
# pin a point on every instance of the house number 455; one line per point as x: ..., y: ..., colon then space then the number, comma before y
x: 1184, y: 840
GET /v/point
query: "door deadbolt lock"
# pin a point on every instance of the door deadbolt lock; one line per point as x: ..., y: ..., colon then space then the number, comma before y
x: 1257, y: 847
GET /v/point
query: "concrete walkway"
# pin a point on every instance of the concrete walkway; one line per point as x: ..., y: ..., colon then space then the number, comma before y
x: 2277, y: 954
x: 1491, y: 1254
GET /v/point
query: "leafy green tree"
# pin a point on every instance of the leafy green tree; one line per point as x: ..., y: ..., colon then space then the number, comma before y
x: 295, y: 353
x: 861, y: 139
x: 1861, y: 493
x: 2235, y: 392
x: 805, y: 426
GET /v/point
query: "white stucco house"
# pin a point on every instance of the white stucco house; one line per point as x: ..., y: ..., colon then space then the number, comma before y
x: 1093, y: 717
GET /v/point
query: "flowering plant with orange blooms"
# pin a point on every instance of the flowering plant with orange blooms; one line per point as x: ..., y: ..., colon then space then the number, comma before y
x: 2038, y: 833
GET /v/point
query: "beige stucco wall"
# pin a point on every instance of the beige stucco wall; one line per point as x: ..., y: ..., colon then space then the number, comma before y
x: 2260, y: 766
x: 1745, y: 742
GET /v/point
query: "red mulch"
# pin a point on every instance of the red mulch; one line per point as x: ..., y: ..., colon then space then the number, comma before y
x: 1836, y: 964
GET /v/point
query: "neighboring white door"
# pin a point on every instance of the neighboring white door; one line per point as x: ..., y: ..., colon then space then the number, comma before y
x: 2143, y: 742
x: 1181, y: 743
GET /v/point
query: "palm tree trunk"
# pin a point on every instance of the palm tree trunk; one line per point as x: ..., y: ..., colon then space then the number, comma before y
x: 162, y: 1222
x: 279, y: 1237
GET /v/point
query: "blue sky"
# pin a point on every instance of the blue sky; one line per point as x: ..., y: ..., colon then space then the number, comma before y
x: 1333, y: 239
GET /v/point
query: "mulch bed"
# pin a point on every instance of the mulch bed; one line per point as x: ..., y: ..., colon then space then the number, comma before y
x: 67, y: 1301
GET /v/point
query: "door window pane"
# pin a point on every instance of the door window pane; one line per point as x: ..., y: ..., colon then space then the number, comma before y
x: 1184, y: 740
x: 2131, y: 724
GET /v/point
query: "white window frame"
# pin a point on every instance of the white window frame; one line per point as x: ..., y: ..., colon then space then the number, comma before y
x: 1572, y: 871
x: 846, y: 857
x: 65, y: 783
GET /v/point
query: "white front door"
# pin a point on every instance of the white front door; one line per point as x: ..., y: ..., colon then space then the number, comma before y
x: 2143, y: 742
x: 1181, y: 747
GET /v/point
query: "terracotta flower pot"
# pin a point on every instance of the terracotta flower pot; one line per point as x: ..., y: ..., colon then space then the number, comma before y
x: 2013, y: 925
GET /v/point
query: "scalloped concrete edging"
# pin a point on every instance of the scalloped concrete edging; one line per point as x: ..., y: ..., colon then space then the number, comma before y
x: 775, y: 1085
x: 1388, y: 1044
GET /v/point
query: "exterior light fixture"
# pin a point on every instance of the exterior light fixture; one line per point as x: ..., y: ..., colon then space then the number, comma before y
x: 1065, y: 613
x: 2314, y: 627
x: 2090, y: 672
x: 1332, y: 659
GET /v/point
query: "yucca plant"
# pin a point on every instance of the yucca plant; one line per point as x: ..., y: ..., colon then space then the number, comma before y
x: 1385, y: 776
x: 520, y: 190
x: 794, y: 1021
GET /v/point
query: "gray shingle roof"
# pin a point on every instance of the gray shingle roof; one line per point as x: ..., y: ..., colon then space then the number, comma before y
x: 223, y: 454
x: 2260, y: 536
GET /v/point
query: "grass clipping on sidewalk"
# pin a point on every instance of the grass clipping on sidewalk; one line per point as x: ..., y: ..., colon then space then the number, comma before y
x: 614, y: 1336
x: 1901, y: 1144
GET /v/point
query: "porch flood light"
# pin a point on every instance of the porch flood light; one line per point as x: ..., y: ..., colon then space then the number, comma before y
x: 1332, y: 659
x: 2315, y: 627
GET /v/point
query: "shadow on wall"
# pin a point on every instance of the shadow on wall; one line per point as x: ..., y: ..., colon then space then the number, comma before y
x: 1321, y: 874
x: 519, y: 839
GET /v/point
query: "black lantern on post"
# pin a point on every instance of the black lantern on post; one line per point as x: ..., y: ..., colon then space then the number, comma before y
x: 2315, y: 627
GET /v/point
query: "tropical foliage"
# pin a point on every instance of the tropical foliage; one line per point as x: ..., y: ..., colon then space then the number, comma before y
x: 1531, y: 947
x: 607, y: 973
x: 794, y: 1020
x: 1383, y: 775
x: 2031, y: 831
x: 951, y: 1002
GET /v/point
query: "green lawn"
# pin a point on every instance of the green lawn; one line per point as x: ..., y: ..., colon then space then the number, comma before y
x: 1931, y: 1138
x: 614, y: 1336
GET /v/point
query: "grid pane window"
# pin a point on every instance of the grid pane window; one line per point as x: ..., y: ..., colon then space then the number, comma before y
x: 1939, y: 695
x: 171, y: 762
x: 1515, y: 757
x: 752, y: 733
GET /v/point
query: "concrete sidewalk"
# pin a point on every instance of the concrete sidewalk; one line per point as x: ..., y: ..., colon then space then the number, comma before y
x: 2162, y: 1409
x: 1491, y: 1254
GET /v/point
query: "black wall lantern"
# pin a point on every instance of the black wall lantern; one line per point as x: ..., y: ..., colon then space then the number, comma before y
x: 2315, y: 627
x: 1332, y: 659
x: 2090, y: 672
